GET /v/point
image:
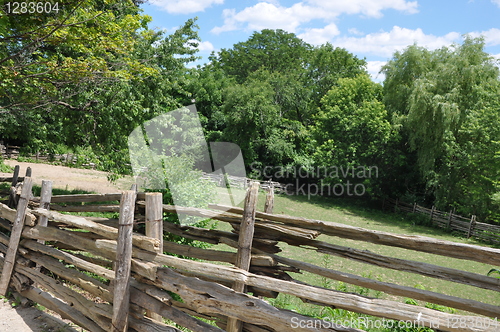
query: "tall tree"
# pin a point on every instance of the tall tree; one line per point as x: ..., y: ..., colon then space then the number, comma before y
x: 253, y: 121
x: 352, y: 130
x: 88, y: 74
x: 79, y: 41
x: 326, y: 65
x: 443, y: 98
x: 273, y: 50
x: 400, y: 75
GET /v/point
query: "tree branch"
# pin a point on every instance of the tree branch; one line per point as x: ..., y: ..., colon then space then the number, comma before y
x: 34, y: 42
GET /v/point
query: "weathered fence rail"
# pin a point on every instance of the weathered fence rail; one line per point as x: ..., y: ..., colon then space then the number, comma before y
x: 470, y: 227
x: 242, y: 182
x: 104, y: 276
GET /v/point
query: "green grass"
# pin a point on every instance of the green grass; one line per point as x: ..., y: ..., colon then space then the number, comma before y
x: 5, y: 168
x: 368, y: 215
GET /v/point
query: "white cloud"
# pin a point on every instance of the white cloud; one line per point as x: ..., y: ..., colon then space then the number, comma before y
x: 185, y: 6
x: 373, y: 68
x: 385, y: 43
x: 496, y: 2
x: 371, y: 8
x: 491, y: 36
x: 274, y: 2
x: 354, y: 31
x: 266, y: 15
x: 271, y: 15
x: 320, y: 36
x: 206, y: 46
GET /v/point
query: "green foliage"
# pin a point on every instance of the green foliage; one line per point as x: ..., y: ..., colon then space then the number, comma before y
x: 326, y: 66
x: 98, y: 74
x: 206, y: 86
x: 263, y: 94
x: 447, y: 103
x: 273, y: 50
x: 493, y: 271
x: 253, y: 121
x: 86, y: 41
x: 352, y: 129
x: 5, y: 168
x: 190, y: 191
x: 431, y: 130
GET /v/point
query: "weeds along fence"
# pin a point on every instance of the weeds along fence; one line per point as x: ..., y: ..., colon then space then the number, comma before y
x: 104, y: 275
x: 470, y: 227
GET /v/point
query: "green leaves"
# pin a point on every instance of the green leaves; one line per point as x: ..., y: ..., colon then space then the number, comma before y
x: 273, y: 50
x: 89, y: 75
x: 447, y: 102
x: 86, y: 41
x: 327, y: 65
x: 352, y: 127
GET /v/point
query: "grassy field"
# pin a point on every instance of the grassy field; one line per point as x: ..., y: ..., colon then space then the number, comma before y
x: 366, y: 215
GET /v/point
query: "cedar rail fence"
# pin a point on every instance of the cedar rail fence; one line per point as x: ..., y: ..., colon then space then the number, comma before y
x: 470, y: 227
x: 104, y: 276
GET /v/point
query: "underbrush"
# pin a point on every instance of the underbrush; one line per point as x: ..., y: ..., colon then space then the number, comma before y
x: 5, y: 168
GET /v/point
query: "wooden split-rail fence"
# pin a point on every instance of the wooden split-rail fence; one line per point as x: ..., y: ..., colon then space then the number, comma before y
x: 469, y: 227
x: 223, y: 180
x: 105, y: 275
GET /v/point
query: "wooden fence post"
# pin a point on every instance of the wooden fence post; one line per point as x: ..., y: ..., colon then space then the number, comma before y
x: 12, y: 191
x: 432, y: 213
x: 15, y: 236
x: 154, y: 217
x: 245, y: 240
x: 396, y: 206
x: 15, y: 176
x: 448, y: 224
x: 154, y: 228
x: 121, y: 283
x: 471, y: 226
x: 268, y: 206
x: 45, y: 197
x: 414, y: 207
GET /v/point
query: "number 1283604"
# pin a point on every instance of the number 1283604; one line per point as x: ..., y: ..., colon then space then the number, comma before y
x: 31, y: 7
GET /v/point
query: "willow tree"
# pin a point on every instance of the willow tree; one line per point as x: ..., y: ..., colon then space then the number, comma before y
x: 447, y: 103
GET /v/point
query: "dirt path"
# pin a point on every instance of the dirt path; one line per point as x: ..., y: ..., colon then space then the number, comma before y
x: 31, y: 319
x: 71, y: 178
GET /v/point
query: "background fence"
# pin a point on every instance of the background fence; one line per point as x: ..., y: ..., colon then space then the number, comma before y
x: 470, y: 227
x: 223, y: 180
x: 108, y: 274
x: 12, y: 152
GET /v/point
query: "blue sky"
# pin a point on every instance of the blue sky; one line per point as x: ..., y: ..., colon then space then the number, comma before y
x: 371, y: 29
